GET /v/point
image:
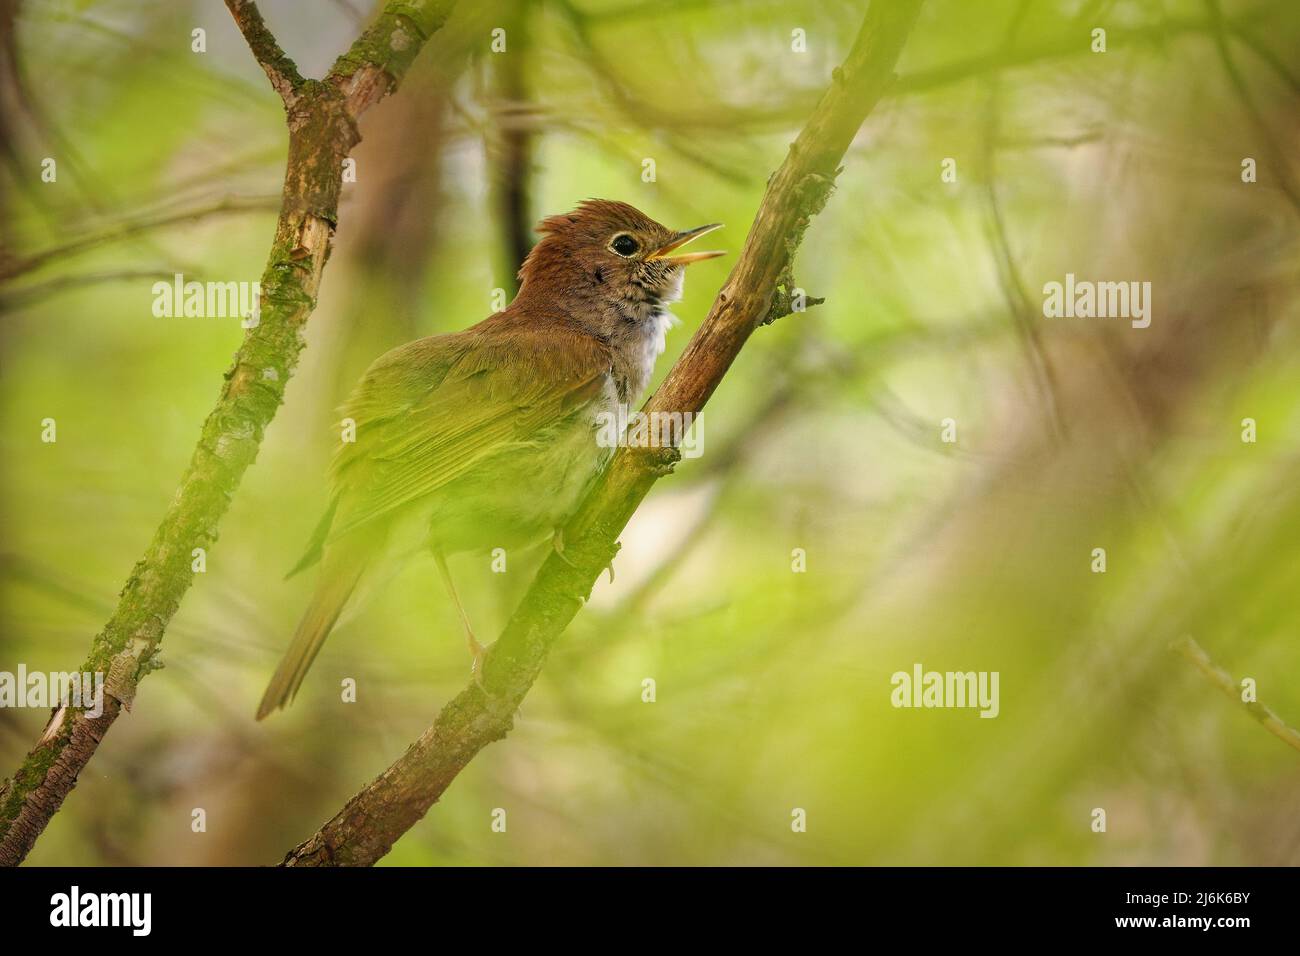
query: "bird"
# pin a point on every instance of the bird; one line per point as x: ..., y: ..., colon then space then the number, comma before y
x: 487, y: 438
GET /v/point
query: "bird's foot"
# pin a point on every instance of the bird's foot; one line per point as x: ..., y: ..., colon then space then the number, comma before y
x: 479, y: 653
x: 557, y: 543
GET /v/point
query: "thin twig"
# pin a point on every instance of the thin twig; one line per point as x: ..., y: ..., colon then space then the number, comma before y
x: 1221, y: 679
x: 1022, y: 313
x: 280, y: 70
x: 1277, y: 155
x: 229, y: 205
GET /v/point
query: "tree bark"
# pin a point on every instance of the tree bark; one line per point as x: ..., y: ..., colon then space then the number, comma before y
x: 321, y: 117
x: 757, y: 292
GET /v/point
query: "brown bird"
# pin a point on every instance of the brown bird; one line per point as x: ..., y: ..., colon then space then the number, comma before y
x: 486, y: 438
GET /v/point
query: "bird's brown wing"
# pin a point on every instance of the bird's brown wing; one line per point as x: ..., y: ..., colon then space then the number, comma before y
x: 430, y: 411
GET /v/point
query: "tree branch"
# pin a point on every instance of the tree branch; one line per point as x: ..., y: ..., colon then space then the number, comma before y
x: 230, y: 205
x: 366, y: 828
x: 280, y: 70
x: 1221, y: 679
x: 322, y: 118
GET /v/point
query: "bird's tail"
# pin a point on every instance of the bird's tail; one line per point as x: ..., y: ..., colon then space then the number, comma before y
x: 338, y: 581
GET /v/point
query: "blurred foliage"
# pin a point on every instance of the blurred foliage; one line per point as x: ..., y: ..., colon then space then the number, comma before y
x: 773, y: 688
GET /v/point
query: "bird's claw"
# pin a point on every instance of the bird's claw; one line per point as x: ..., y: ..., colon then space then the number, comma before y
x: 479, y: 653
x: 557, y: 544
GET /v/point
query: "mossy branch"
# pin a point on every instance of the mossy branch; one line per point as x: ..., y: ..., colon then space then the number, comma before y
x: 280, y: 70
x: 322, y: 117
x: 366, y: 828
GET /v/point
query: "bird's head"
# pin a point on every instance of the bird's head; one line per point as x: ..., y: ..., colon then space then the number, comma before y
x: 613, y: 256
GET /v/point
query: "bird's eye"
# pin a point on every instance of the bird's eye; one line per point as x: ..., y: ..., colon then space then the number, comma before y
x: 624, y: 245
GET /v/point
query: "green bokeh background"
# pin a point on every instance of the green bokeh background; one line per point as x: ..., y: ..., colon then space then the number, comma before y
x: 773, y: 688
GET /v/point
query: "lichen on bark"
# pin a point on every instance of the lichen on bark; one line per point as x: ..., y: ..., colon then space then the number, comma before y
x: 321, y: 119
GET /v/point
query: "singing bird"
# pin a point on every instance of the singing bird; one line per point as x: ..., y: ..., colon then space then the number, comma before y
x: 486, y: 438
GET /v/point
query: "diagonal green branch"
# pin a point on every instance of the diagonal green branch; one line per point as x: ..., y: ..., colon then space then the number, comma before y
x: 321, y: 117
x: 1220, y: 678
x: 366, y: 828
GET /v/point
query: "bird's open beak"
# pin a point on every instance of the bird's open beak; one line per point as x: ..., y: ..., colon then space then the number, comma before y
x: 664, y: 253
